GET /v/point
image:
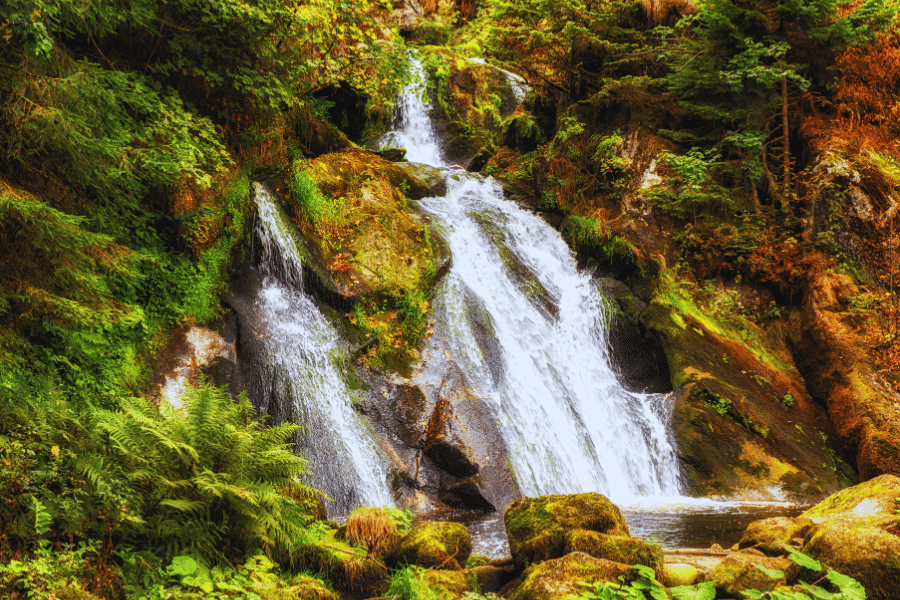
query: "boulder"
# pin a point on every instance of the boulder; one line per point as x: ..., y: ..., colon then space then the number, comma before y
x: 739, y: 572
x: 538, y: 527
x: 770, y: 536
x: 436, y: 544
x: 424, y: 180
x: 617, y: 548
x: 492, y: 579
x: 299, y: 586
x: 346, y: 566
x: 562, y: 578
x: 677, y: 574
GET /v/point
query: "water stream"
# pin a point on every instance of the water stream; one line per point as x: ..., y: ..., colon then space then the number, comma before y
x: 300, y: 372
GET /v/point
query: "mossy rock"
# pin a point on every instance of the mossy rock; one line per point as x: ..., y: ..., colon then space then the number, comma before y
x: 677, y: 574
x: 70, y: 592
x: 738, y: 572
x: 300, y: 586
x: 617, y: 548
x: 447, y: 585
x: 537, y: 527
x: 436, y: 544
x: 870, y: 555
x: 424, y: 180
x: 873, y: 499
x: 770, y: 536
x: 346, y: 566
x: 561, y: 578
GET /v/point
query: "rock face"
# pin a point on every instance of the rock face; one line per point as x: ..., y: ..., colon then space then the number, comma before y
x: 855, y: 532
x: 863, y: 408
x: 743, y: 423
x: 538, y: 527
x: 561, y: 578
x: 436, y: 544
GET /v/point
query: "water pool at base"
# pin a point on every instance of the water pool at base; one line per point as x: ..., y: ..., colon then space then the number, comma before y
x: 697, y: 525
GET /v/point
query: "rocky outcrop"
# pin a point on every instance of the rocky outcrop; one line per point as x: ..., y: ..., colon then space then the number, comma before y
x: 743, y: 422
x: 855, y: 532
x: 539, y: 528
x: 863, y: 408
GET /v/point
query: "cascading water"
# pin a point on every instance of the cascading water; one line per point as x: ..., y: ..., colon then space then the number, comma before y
x: 416, y: 132
x: 568, y: 424
x: 298, y: 371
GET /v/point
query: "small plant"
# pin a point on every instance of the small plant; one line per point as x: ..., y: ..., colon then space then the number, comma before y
x: 645, y: 586
x: 787, y: 400
x: 714, y: 401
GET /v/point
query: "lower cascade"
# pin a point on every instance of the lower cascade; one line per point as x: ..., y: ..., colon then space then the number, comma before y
x: 529, y: 332
x: 299, y: 371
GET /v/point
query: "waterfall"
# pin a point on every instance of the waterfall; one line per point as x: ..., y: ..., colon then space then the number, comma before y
x: 415, y: 131
x: 529, y: 331
x: 301, y: 370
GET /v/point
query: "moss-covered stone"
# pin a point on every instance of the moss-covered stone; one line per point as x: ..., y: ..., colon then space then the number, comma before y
x: 436, y: 544
x: 346, y: 566
x: 677, y: 574
x: 770, y: 536
x: 870, y: 555
x: 300, y: 586
x: 537, y: 527
x: 424, y: 181
x: 617, y: 548
x: 864, y: 502
x: 560, y: 578
x: 739, y: 572
x: 447, y: 585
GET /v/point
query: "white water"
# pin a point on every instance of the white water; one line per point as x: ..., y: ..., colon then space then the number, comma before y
x: 303, y: 360
x: 568, y: 424
x: 415, y: 132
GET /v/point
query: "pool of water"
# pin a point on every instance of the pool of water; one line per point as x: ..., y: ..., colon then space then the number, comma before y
x: 698, y: 524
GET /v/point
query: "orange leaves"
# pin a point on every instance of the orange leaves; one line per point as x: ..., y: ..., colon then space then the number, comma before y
x: 870, y: 81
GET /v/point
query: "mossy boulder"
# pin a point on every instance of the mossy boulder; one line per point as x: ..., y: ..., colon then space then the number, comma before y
x: 870, y: 555
x: 538, y: 527
x: 677, y: 574
x: 424, y: 181
x: 770, y: 536
x: 348, y: 567
x: 739, y: 572
x: 864, y: 504
x: 561, y: 578
x: 447, y: 585
x: 436, y: 544
x: 617, y: 548
x: 300, y: 586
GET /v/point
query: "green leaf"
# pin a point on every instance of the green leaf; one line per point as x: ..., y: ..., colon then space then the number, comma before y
x: 803, y: 560
x: 701, y: 591
x: 183, y: 566
x: 771, y: 573
x: 850, y: 588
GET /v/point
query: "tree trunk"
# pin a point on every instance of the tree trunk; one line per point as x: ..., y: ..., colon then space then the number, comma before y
x: 786, y: 140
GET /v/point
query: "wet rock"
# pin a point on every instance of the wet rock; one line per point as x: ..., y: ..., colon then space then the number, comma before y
x: 424, y: 181
x: 739, y: 572
x: 770, y: 536
x: 562, y: 578
x: 538, y: 527
x: 391, y: 154
x: 617, y: 548
x: 479, y: 161
x: 466, y: 494
x: 863, y: 407
x: 436, y: 544
x: 492, y: 579
x: 636, y: 353
x: 522, y: 133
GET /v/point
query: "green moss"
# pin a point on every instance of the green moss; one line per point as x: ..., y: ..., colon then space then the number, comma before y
x: 564, y: 577
x: 738, y: 572
x: 770, y: 536
x: 537, y: 527
x: 438, y: 544
x: 880, y: 493
x: 617, y: 548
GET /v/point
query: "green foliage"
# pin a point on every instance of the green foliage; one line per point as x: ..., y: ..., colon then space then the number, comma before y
x: 402, y: 518
x: 701, y: 591
x: 555, y: 44
x: 406, y: 584
x: 48, y: 573
x: 715, y: 401
x: 327, y: 215
x: 595, y: 238
x: 643, y: 588
x: 787, y: 400
x: 692, y: 186
x: 848, y: 588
